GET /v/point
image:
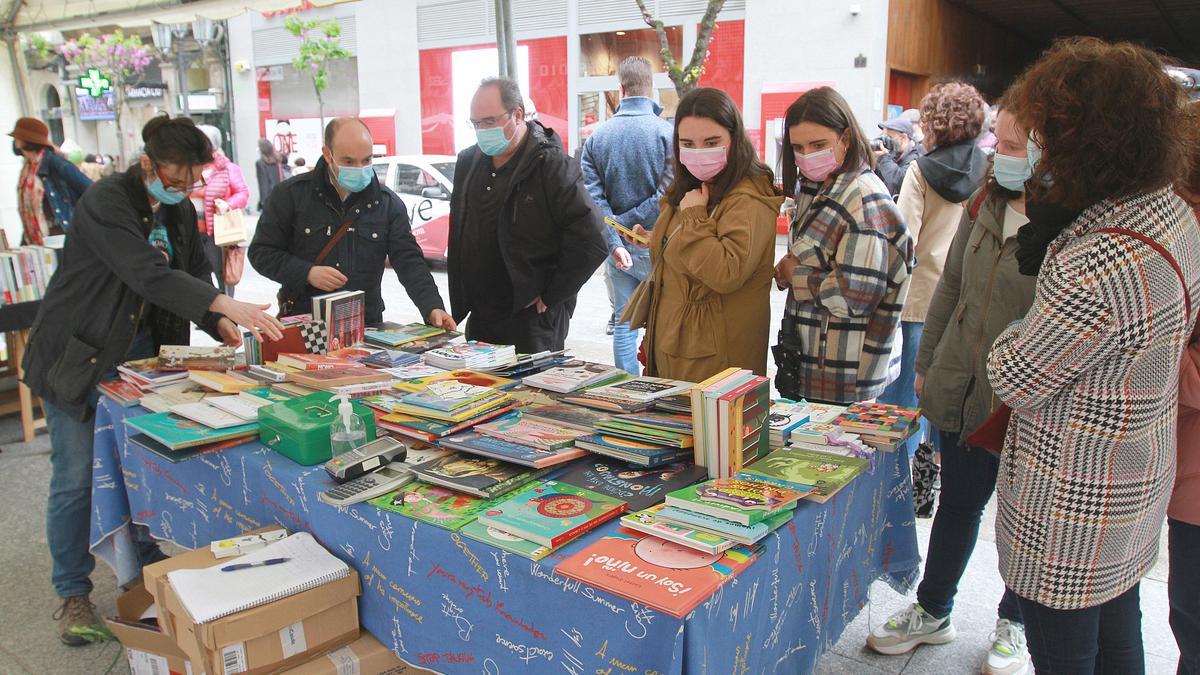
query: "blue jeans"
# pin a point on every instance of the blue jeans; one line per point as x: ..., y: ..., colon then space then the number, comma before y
x: 903, y: 391
x: 1103, y: 639
x: 625, y: 339
x: 69, y: 508
x: 968, y: 480
x: 1183, y: 592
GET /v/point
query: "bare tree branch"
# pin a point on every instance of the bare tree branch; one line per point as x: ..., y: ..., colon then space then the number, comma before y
x: 657, y: 25
x: 703, y: 38
x: 685, y: 77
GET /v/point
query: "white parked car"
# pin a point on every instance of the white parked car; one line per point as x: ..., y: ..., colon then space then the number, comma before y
x: 424, y: 183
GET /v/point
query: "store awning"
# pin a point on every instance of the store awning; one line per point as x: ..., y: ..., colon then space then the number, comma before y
x: 61, y: 15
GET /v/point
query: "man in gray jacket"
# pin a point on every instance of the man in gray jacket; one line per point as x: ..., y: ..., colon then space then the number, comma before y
x: 626, y: 166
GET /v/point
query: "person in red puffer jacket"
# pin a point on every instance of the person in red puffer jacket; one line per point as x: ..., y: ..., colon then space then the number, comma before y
x: 1183, y: 512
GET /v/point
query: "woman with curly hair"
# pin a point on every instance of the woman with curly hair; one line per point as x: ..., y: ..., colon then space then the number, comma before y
x: 1091, y: 372
x: 931, y: 202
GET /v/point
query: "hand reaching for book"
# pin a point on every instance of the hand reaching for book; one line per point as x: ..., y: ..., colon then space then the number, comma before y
x: 441, y: 319
x: 249, y: 316
x: 230, y: 335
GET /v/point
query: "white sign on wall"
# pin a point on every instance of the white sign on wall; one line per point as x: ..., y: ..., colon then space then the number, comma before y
x: 297, y: 137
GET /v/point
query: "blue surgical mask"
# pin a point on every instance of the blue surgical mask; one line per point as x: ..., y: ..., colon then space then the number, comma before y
x: 355, y: 178
x: 1011, y: 172
x: 492, y: 141
x: 162, y: 194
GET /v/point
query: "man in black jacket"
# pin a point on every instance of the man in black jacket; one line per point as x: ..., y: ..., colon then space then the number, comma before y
x: 524, y: 233
x: 340, y: 201
x: 893, y: 163
x: 133, y: 274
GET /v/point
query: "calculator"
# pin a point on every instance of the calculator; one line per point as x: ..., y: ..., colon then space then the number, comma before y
x: 368, y: 486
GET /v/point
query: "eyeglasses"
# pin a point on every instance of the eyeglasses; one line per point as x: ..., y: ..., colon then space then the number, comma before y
x: 174, y: 187
x: 488, y: 122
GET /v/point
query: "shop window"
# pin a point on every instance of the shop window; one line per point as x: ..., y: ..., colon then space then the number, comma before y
x: 601, y: 53
x: 292, y: 92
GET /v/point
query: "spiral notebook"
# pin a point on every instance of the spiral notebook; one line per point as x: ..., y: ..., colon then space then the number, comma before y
x: 210, y: 594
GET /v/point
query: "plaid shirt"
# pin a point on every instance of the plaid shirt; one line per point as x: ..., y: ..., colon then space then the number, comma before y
x: 855, y: 257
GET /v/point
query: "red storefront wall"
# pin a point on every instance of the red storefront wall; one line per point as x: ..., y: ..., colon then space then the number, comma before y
x: 547, y: 84
x: 725, y: 65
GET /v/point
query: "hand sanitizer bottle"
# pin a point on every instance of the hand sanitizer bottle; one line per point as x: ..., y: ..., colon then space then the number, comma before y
x: 347, y: 431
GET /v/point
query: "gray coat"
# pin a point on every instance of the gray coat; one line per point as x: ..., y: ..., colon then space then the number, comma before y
x: 979, y: 294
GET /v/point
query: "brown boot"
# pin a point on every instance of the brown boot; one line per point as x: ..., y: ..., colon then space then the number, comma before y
x: 78, y: 624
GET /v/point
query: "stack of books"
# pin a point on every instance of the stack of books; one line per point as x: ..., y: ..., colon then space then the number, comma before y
x: 175, y: 393
x: 647, y: 439
x: 626, y: 395
x: 123, y: 393
x: 357, y: 382
x: 479, y: 476
x: 729, y: 412
x: 574, y: 375
x: 167, y: 433
x: 300, y: 334
x: 464, y: 376
x: 640, y: 453
x: 306, y: 361
x: 25, y: 272
x: 147, y: 375
x: 392, y: 336
x: 785, y: 416
x: 516, y: 439
x: 343, y: 313
x: 227, y: 382
x: 880, y: 425
x: 531, y: 363
x: 390, y: 358
x: 570, y: 416
x: 819, y: 475
x: 439, y: 409
x: 472, y: 356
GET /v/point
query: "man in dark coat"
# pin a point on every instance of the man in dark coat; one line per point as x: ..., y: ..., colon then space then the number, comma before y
x: 524, y: 233
x: 306, y: 212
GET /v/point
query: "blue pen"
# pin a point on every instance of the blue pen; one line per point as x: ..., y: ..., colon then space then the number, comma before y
x: 261, y: 563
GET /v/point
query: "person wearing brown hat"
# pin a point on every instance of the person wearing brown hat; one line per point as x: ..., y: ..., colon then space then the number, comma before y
x: 49, y: 184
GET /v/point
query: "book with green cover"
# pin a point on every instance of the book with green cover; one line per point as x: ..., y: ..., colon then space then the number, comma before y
x: 505, y: 541
x: 624, y: 429
x: 734, y: 499
x: 822, y: 474
x: 742, y: 534
x: 516, y: 428
x: 433, y: 504
x: 552, y: 513
x: 447, y: 395
x: 265, y: 393
x: 648, y: 521
x: 177, y: 432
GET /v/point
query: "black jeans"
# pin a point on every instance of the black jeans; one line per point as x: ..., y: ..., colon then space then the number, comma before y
x: 1183, y: 592
x: 968, y: 480
x: 1103, y: 639
x: 529, y: 331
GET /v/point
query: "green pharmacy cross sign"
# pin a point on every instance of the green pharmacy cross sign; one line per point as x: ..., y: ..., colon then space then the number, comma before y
x: 95, y: 83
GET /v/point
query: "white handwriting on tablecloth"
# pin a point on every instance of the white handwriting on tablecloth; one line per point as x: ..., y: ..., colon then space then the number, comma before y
x: 412, y: 548
x: 642, y: 618
x: 397, y: 637
x: 454, y: 611
x: 501, y: 560
x: 524, y: 652
x: 385, y: 532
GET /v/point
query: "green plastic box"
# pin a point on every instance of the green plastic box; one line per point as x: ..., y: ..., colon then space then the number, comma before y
x: 299, y: 429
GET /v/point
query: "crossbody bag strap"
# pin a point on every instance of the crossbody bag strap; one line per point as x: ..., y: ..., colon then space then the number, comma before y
x: 337, y: 236
x: 1162, y: 250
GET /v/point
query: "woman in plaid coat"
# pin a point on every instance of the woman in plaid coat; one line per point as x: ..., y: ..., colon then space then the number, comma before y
x: 1091, y: 372
x: 848, y: 262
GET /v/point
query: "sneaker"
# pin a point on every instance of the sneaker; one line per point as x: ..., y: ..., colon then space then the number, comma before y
x: 78, y: 624
x: 1009, y: 654
x: 909, y: 628
x: 612, y: 323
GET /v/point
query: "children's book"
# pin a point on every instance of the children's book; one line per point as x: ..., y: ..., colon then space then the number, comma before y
x: 185, y: 357
x: 225, y: 383
x: 516, y: 428
x: 648, y: 521
x: 822, y: 474
x: 638, y: 486
x: 317, y: 362
x: 475, y: 443
x: 439, y: 506
x: 551, y: 513
x: 480, y: 476
x: 471, y: 377
x: 505, y: 541
x: 660, y: 574
x: 571, y: 416
x: 177, y: 432
x: 734, y: 499
x: 638, y: 452
x: 243, y: 407
x: 176, y: 456
x: 431, y: 430
x: 337, y: 377
x: 394, y: 337
x: 642, y: 389
x: 880, y: 419
x: 785, y: 416
x: 447, y: 395
x: 680, y: 422
x: 209, y: 415
x: 640, y: 432
x: 412, y: 371
x: 572, y: 375
x: 124, y: 393
x: 742, y: 534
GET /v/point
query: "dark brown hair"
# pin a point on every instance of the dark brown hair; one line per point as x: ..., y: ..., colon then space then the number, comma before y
x: 1191, y: 177
x: 176, y: 140
x: 716, y: 105
x: 1109, y: 120
x: 953, y: 112
x: 826, y: 107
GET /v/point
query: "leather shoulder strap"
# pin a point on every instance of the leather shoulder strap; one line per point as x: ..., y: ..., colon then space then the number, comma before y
x: 1162, y: 250
x: 977, y: 203
x: 337, y: 236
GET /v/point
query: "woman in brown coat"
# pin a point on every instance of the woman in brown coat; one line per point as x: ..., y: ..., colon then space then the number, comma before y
x: 712, y: 248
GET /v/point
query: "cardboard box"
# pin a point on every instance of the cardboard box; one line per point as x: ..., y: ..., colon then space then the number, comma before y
x: 148, y: 649
x: 364, y: 656
x: 279, y: 635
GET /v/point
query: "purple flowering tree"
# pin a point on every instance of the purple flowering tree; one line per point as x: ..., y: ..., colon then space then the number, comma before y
x: 119, y: 57
x: 685, y: 76
x: 320, y: 43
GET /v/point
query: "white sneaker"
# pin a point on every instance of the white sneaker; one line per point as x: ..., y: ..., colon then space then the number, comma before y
x: 1009, y: 654
x: 909, y: 628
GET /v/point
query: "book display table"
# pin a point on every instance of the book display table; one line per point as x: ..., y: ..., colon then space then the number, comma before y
x: 454, y: 605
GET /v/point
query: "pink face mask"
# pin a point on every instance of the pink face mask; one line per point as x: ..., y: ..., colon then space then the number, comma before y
x: 816, y: 166
x: 704, y: 163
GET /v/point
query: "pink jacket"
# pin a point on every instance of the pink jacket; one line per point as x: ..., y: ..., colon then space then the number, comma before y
x: 225, y: 182
x: 1185, y: 499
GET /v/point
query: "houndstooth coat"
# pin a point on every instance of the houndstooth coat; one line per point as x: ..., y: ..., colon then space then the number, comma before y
x: 1091, y: 373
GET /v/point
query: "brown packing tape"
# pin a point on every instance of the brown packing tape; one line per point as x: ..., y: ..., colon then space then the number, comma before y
x: 367, y: 654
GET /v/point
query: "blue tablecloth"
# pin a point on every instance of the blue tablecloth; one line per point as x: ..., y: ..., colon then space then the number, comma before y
x: 455, y: 605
